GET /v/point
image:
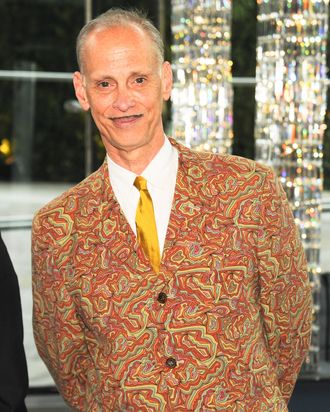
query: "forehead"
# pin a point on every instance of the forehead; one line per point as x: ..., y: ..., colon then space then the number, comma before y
x: 121, y: 38
x: 119, y: 50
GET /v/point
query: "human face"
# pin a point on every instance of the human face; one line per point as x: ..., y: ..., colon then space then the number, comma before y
x: 124, y: 85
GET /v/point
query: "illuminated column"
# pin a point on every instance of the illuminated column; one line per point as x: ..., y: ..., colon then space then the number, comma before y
x: 291, y: 104
x: 202, y: 94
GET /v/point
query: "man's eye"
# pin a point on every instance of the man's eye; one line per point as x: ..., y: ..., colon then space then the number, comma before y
x: 140, y: 80
x: 104, y: 84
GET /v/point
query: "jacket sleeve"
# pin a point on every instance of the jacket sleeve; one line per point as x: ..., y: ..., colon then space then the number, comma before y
x: 285, y: 291
x: 58, y: 330
x: 13, y: 369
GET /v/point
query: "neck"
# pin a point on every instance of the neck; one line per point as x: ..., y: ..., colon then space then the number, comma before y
x: 134, y: 160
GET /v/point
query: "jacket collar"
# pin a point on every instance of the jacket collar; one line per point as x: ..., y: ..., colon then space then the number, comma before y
x: 190, y: 199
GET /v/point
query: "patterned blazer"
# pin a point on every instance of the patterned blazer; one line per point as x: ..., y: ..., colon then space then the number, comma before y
x: 226, y: 323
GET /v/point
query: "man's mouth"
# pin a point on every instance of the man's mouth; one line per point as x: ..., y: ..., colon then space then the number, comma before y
x: 123, y: 120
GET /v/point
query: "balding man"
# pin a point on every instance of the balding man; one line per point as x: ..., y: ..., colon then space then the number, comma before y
x: 168, y: 280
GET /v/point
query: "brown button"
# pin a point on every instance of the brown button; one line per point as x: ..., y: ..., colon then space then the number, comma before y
x: 171, y: 362
x: 162, y: 297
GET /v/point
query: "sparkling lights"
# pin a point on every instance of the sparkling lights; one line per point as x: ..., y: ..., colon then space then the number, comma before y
x: 202, y: 94
x: 289, y: 129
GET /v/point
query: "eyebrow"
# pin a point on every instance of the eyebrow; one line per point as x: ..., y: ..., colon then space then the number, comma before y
x: 132, y: 74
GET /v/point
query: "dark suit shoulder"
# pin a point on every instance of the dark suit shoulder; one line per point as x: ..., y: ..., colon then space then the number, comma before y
x: 13, y: 370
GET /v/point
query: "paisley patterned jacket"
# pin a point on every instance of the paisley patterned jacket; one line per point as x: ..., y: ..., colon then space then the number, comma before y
x: 226, y: 323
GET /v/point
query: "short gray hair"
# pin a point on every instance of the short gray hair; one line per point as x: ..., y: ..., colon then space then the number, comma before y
x: 115, y: 17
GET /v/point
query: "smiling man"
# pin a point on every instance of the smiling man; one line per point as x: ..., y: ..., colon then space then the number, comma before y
x: 168, y: 280
x: 124, y: 82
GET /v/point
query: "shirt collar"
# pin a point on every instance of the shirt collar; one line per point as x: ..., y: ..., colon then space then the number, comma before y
x: 162, y: 166
x: 119, y: 175
x: 156, y: 173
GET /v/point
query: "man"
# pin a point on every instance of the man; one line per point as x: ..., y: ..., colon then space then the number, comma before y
x: 211, y: 313
x: 13, y: 370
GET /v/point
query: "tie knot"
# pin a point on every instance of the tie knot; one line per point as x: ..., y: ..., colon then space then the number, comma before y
x: 140, y: 183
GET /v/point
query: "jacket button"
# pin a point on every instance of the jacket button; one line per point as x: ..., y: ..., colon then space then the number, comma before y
x: 162, y: 297
x: 171, y: 363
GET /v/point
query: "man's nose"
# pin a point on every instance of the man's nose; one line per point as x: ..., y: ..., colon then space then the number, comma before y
x: 123, y: 99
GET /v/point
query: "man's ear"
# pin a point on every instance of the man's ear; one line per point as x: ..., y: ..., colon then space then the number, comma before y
x: 79, y: 87
x: 167, y: 80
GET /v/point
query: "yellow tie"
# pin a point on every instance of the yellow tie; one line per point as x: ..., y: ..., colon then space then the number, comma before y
x: 146, y: 224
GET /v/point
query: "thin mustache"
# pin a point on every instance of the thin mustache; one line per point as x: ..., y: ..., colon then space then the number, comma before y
x: 126, y: 117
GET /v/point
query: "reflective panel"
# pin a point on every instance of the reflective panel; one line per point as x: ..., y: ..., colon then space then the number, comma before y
x: 202, y: 95
x: 289, y: 128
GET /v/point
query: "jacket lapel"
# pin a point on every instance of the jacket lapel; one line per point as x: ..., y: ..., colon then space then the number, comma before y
x: 101, y: 227
x: 184, y: 229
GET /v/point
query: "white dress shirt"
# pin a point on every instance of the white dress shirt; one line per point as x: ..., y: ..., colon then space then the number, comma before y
x: 161, y: 178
